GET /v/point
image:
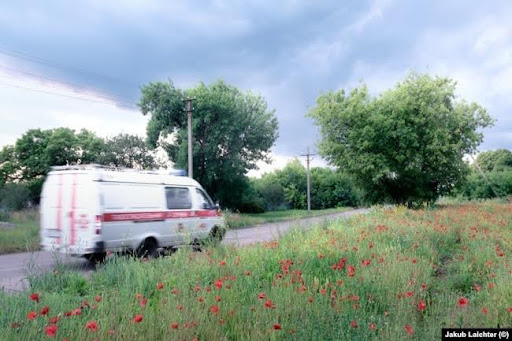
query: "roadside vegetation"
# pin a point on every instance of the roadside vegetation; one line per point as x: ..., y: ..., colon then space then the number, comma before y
x: 394, y: 274
x: 241, y: 220
x: 19, y: 231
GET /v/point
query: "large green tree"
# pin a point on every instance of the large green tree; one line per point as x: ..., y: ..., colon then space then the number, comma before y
x: 129, y: 151
x: 405, y: 145
x: 495, y: 160
x: 232, y: 130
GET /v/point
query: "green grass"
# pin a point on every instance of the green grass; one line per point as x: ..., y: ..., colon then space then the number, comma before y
x: 241, y: 220
x: 23, y: 236
x: 403, y: 260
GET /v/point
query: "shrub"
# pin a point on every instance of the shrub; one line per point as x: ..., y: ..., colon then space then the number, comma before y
x: 14, y: 197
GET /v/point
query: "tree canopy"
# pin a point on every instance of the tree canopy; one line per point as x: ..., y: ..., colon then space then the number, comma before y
x: 231, y: 131
x: 29, y: 160
x: 405, y: 145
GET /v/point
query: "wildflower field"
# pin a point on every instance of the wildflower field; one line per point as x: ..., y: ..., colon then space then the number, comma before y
x: 393, y: 274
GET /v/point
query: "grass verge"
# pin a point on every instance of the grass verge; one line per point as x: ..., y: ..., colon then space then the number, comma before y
x: 242, y: 220
x: 389, y: 275
x: 20, y: 233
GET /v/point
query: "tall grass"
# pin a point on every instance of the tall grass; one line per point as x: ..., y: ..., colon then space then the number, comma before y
x: 391, y: 275
x: 21, y: 234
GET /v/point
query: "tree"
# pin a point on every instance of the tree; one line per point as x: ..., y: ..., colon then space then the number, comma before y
x: 404, y: 146
x: 495, y: 160
x: 128, y: 151
x: 33, y: 154
x: 14, y: 197
x: 231, y: 132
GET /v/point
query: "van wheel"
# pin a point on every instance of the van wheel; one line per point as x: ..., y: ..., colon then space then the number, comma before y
x: 96, y: 257
x: 216, y: 235
x: 148, y: 248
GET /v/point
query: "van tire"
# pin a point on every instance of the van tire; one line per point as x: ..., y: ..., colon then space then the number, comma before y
x: 96, y: 257
x: 148, y: 248
x: 216, y: 235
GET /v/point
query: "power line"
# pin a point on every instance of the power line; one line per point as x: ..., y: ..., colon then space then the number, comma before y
x: 22, y: 55
x: 64, y: 83
x: 62, y: 95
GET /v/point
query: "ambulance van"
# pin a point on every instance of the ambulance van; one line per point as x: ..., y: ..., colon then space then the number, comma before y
x: 89, y: 210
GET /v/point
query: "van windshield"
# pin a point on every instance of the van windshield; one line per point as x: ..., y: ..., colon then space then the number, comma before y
x: 204, y: 200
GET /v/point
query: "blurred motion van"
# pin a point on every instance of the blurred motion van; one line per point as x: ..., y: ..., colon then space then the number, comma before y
x: 89, y: 210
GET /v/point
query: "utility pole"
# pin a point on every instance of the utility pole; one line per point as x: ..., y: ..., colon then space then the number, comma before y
x: 307, y: 155
x: 188, y: 109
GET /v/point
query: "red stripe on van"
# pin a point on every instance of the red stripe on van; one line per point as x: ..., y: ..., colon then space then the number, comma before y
x: 159, y: 215
x: 59, y: 209
x: 72, y: 214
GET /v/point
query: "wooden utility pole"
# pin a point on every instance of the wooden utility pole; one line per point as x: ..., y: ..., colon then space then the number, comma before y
x: 308, y: 159
x: 188, y: 109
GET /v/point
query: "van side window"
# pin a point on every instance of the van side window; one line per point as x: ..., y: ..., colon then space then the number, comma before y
x: 178, y: 198
x: 205, y: 202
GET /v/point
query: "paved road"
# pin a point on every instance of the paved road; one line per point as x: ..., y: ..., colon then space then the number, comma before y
x: 14, y: 268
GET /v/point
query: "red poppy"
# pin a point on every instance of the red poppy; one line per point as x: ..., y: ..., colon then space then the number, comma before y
x: 477, y: 287
x: 218, y: 284
x: 143, y: 302
x: 409, y: 329
x: 110, y: 332
x: 490, y: 285
x: 179, y: 307
x: 200, y: 299
x: 262, y: 296
x: 51, y: 331
x: 218, y: 298
x: 277, y: 326
x: 509, y: 310
x: 462, y: 302
x: 97, y: 298
x: 208, y: 289
x: 34, y: 297
x: 421, y: 305
x: 269, y: 304
x: 248, y: 273
x: 54, y: 320
x: 372, y: 326
x: 31, y: 315
x: 366, y: 262
x: 44, y: 311
x: 409, y: 294
x: 414, y: 261
x: 485, y: 310
x: 92, y: 326
x: 424, y: 286
x: 137, y: 318
x: 351, y: 271
x: 77, y: 311
x: 175, y: 291
x: 323, y: 291
x: 310, y: 299
x: 353, y: 324
x: 174, y: 325
x: 222, y: 263
x: 214, y: 309
x: 138, y: 296
x: 159, y: 286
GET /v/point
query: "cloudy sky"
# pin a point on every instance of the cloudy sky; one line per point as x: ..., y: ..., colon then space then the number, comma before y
x: 81, y: 64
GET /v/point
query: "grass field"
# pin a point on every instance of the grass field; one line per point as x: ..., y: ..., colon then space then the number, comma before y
x: 240, y: 220
x: 21, y: 234
x: 389, y: 275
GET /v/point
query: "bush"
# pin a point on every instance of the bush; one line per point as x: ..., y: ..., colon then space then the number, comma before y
x: 477, y: 188
x: 14, y: 197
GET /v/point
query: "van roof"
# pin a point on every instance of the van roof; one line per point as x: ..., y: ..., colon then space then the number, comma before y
x: 114, y: 174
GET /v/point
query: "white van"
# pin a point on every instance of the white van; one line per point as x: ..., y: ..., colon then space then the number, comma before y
x: 89, y: 210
